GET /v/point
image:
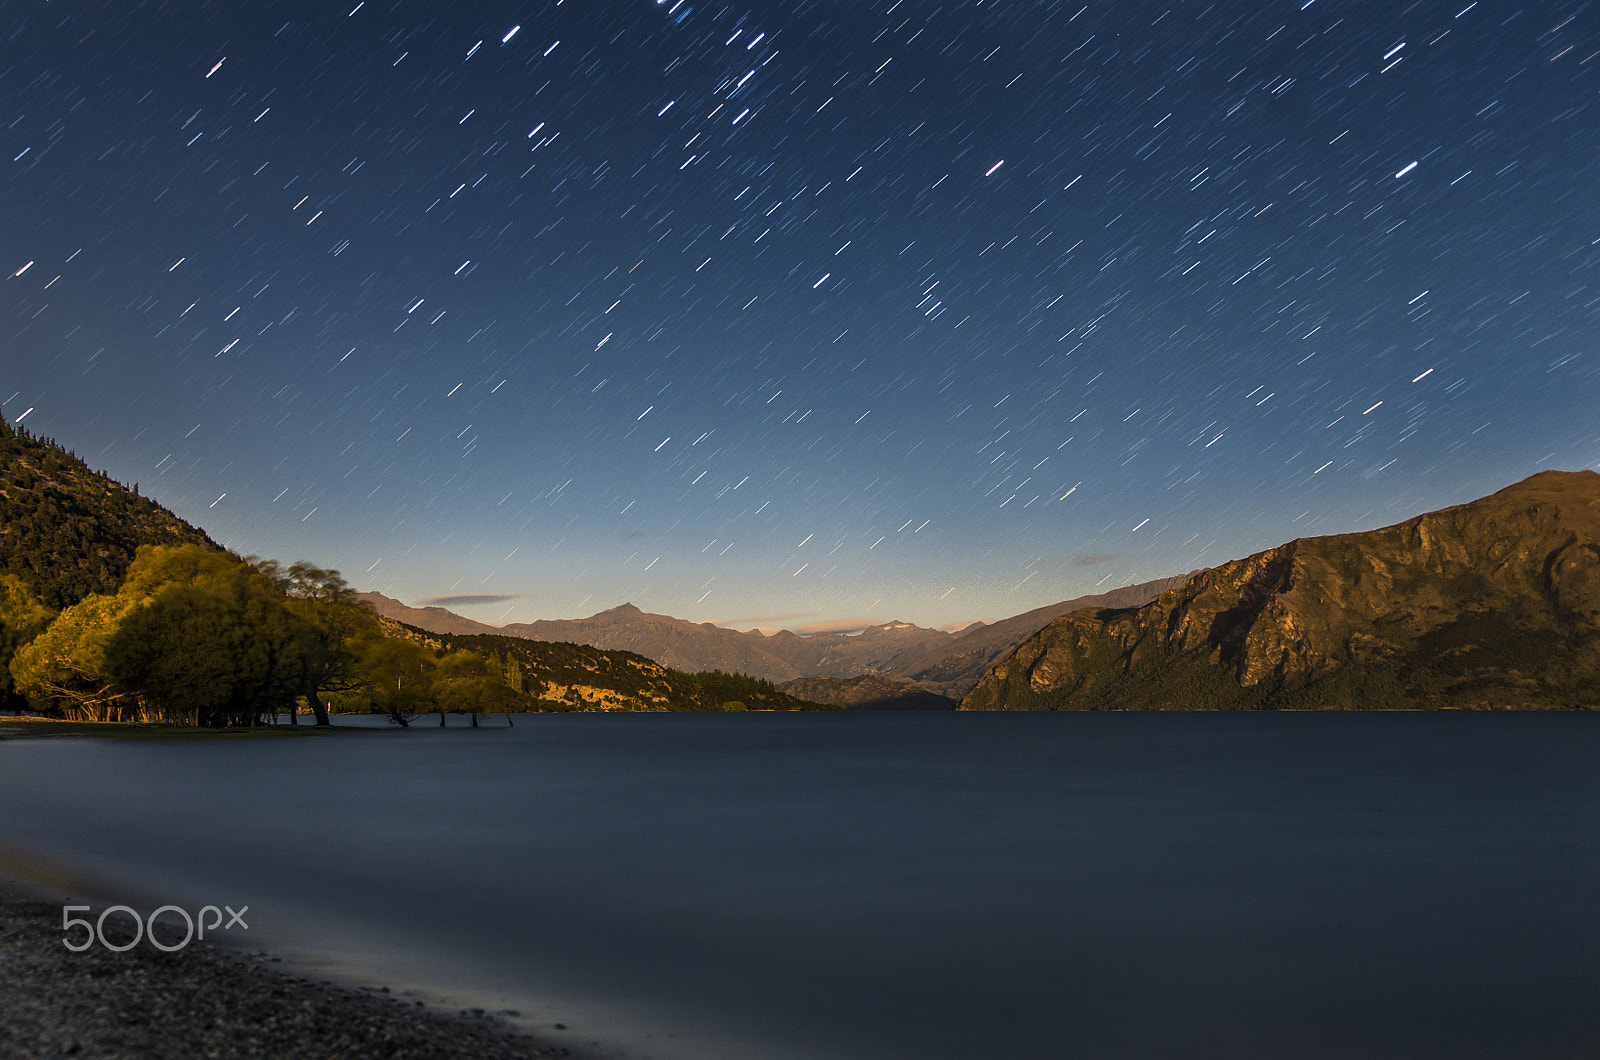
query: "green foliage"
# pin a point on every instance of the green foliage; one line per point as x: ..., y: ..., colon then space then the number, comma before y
x: 303, y: 581
x: 208, y: 656
x: 336, y: 619
x: 395, y: 676
x: 716, y: 686
x: 23, y: 616
x: 204, y: 638
x: 65, y: 665
x: 200, y: 637
x: 154, y: 618
x: 511, y: 669
x: 464, y: 682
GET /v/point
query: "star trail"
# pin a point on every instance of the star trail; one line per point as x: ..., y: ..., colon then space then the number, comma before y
x: 834, y: 311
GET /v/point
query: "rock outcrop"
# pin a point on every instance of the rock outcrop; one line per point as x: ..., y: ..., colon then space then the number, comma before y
x: 1490, y: 604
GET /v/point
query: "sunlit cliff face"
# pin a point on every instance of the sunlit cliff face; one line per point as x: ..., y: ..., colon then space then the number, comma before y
x: 1489, y: 604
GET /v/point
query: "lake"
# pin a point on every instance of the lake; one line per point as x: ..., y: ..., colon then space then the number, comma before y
x: 874, y: 886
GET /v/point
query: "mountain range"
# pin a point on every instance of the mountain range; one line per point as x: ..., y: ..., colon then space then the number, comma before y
x: 906, y: 658
x: 1490, y: 604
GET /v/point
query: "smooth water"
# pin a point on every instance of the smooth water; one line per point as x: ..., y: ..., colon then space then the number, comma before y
x: 865, y: 887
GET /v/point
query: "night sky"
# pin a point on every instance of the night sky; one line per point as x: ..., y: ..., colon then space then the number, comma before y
x: 799, y: 313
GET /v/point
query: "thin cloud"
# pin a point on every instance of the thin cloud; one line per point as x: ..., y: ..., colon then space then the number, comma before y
x: 1092, y: 559
x: 471, y: 600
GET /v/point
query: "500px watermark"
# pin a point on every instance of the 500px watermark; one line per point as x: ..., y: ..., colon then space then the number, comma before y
x: 95, y: 931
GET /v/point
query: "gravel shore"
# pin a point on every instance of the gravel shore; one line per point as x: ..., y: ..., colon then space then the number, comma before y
x: 203, y: 1001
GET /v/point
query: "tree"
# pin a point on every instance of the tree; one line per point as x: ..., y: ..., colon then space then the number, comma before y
x: 196, y: 634
x: 396, y: 675
x: 192, y: 634
x: 66, y: 662
x: 322, y: 584
x: 512, y: 669
x: 465, y: 683
x: 210, y: 657
x: 205, y: 637
x: 336, y: 618
x: 329, y: 665
x: 156, y: 566
x: 513, y: 674
x: 23, y: 616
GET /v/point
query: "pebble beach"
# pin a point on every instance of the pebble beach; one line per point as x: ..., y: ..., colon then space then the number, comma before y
x: 204, y: 1001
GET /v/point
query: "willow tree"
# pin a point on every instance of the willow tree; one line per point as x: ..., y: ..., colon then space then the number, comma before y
x: 23, y: 616
x: 192, y: 634
x: 66, y: 663
x: 396, y: 676
x: 335, y: 619
x: 208, y: 656
x: 198, y: 635
x: 465, y: 682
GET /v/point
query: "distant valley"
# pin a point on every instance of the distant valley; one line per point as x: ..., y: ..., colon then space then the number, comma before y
x: 907, y: 660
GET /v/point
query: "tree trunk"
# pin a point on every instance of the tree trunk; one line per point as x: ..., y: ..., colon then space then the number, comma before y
x: 509, y: 723
x: 316, y: 705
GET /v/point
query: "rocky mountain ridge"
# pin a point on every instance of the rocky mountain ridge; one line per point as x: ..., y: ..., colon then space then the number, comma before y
x: 1490, y: 604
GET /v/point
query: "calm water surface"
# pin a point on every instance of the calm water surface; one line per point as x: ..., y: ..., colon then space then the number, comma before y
x: 866, y: 887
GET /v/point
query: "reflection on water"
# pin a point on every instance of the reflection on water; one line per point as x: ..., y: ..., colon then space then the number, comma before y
x: 876, y: 886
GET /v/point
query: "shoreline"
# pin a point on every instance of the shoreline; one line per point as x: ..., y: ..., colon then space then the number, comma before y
x: 215, y: 1001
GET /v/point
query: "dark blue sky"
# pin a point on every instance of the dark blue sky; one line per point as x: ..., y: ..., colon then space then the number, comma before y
x: 825, y: 310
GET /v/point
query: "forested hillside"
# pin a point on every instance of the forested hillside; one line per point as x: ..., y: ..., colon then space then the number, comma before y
x: 562, y: 676
x: 67, y: 531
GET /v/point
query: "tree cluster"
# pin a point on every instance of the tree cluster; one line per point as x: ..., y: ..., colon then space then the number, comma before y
x: 197, y: 636
x: 402, y: 679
